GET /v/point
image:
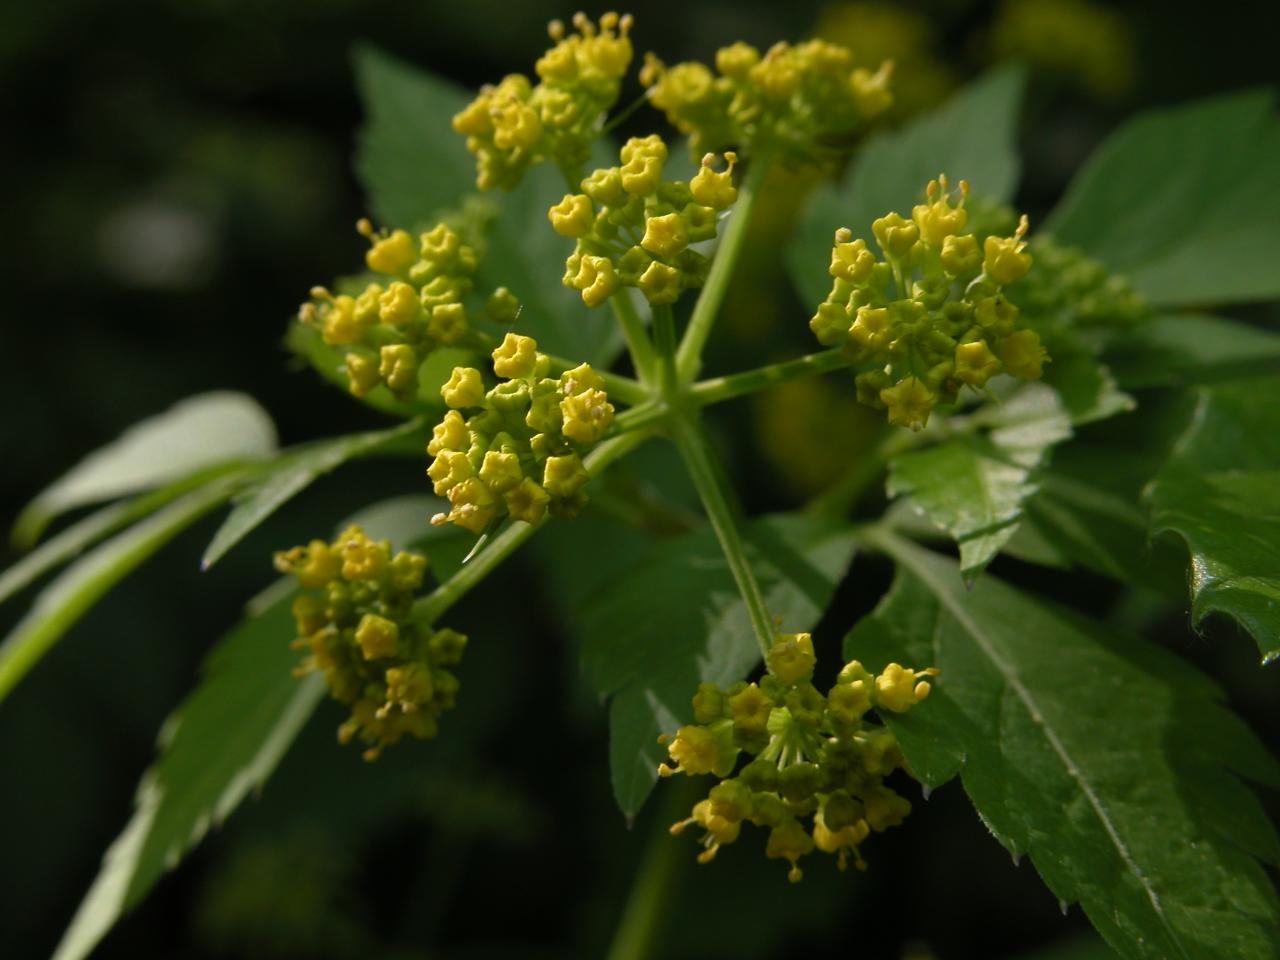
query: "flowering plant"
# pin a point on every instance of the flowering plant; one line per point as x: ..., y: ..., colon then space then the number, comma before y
x: 1011, y: 377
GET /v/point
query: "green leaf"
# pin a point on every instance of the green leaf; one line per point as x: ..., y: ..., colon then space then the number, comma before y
x: 974, y: 485
x: 226, y: 738
x: 1109, y: 761
x: 67, y: 544
x: 1183, y: 200
x: 676, y: 619
x: 223, y: 742
x: 290, y: 475
x: 199, y: 432
x: 76, y: 589
x: 972, y: 137
x: 1181, y: 349
x: 1220, y: 492
x: 414, y: 168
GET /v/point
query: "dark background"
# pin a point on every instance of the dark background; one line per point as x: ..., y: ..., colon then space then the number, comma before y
x: 177, y: 176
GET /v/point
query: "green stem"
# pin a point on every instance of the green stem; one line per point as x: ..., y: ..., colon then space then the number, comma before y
x: 664, y: 341
x: 749, y: 381
x: 645, y: 415
x: 633, y: 331
x: 433, y: 605
x: 641, y: 926
x: 695, y: 449
x: 713, y: 291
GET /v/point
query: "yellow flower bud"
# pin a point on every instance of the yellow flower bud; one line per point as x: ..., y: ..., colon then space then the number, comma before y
x: 596, y: 280
x: 791, y: 658
x: 500, y: 471
x: 665, y: 236
x: 527, y: 501
x: 899, y: 688
x: 737, y: 60
x: 895, y: 235
x: 975, y: 364
x: 871, y: 328
x: 449, y: 434
x: 960, y: 256
x: 1022, y: 354
x: 695, y: 750
x: 473, y: 506
x: 362, y: 372
x: 515, y: 357
x: 314, y: 565
x: 750, y: 709
x: 660, y: 283
x: 449, y: 468
x: 393, y: 253
x: 909, y: 403
x: 464, y: 388
x: 1003, y: 260
x: 937, y: 219
x: 377, y: 636
x: 340, y: 325
x: 563, y: 476
x: 712, y: 189
x: 448, y: 322
x: 399, y: 305
x: 573, y: 216
x: 789, y: 841
x: 850, y: 258
x: 885, y: 808
x: 398, y: 366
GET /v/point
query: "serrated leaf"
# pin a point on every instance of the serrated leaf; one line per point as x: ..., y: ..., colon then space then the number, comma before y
x: 59, y: 605
x: 228, y: 736
x: 1189, y: 220
x: 676, y: 619
x: 275, y: 485
x: 1186, y: 348
x: 1106, y: 759
x: 1220, y: 492
x: 194, y: 434
x: 972, y: 136
x: 414, y: 167
x: 974, y: 485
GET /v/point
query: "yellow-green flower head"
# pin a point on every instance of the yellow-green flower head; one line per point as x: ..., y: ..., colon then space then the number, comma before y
x: 515, y: 450
x: 354, y: 622
x: 1068, y: 289
x: 633, y: 229
x: 514, y: 124
x: 806, y: 100
x: 933, y: 315
x: 808, y: 768
x: 390, y: 329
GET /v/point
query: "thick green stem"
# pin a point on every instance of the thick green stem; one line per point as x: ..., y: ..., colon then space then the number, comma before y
x: 433, y: 605
x: 637, y: 337
x: 695, y: 449
x: 726, y: 257
x: 640, y: 929
x: 664, y: 341
x: 749, y: 381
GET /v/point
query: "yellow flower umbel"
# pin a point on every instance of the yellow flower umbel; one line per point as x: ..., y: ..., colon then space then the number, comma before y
x: 634, y: 229
x: 519, y: 454
x: 817, y: 764
x: 803, y: 100
x: 354, y: 622
x: 932, y: 316
x: 390, y: 328
x: 515, y: 123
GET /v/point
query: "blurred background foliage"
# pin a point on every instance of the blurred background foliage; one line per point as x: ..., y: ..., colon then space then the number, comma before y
x: 178, y: 176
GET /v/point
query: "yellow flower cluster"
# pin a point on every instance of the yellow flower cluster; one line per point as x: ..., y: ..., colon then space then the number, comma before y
x: 354, y: 622
x: 812, y: 756
x: 634, y: 229
x: 393, y: 324
x: 803, y: 99
x: 520, y: 453
x: 931, y: 317
x: 514, y: 124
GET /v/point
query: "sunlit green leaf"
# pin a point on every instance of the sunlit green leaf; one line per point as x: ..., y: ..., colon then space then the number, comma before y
x: 1220, y: 492
x: 1183, y: 200
x: 1107, y: 760
x: 199, y: 432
